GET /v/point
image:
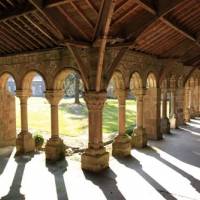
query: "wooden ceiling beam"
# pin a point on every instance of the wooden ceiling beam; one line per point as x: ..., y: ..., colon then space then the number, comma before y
x: 81, y: 65
x: 115, y: 63
x: 102, y: 30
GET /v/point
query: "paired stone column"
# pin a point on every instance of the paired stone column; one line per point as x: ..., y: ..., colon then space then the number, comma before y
x: 122, y: 143
x: 95, y: 158
x: 165, y: 125
x: 187, y: 107
x: 173, y: 120
x: 24, y: 142
x: 55, y: 149
x: 139, y: 136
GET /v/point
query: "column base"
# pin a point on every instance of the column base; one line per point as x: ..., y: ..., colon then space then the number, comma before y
x: 54, y: 149
x: 25, y: 143
x: 173, y: 122
x: 95, y: 160
x: 139, y: 138
x: 121, y: 146
x: 165, y: 126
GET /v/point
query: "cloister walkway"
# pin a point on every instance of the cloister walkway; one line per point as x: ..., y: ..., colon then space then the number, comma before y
x: 167, y: 169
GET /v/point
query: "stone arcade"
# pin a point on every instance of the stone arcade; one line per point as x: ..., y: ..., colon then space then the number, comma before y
x: 138, y: 44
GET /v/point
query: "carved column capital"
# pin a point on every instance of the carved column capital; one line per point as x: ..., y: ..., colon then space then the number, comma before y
x: 54, y: 96
x: 95, y: 100
x: 140, y: 92
x: 121, y: 95
x: 23, y: 95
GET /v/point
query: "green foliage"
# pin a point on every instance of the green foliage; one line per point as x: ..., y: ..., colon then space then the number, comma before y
x: 39, y: 140
x: 129, y: 130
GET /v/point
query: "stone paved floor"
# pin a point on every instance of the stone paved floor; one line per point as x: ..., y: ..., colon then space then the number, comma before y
x: 167, y: 169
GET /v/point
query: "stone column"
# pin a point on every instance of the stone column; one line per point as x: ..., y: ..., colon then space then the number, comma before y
x: 139, y: 136
x: 165, y: 125
x: 173, y: 120
x: 187, y: 108
x: 122, y: 143
x: 95, y: 158
x: 24, y: 142
x: 54, y: 149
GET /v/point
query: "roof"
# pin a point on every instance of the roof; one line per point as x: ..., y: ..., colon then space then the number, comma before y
x: 163, y: 28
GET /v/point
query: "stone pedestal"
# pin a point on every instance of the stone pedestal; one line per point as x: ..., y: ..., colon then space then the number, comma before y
x: 54, y: 149
x: 173, y: 122
x: 95, y: 160
x: 139, y: 138
x: 121, y: 146
x: 165, y: 126
x: 25, y: 143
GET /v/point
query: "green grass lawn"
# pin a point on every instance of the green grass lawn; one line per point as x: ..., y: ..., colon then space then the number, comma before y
x: 73, y: 119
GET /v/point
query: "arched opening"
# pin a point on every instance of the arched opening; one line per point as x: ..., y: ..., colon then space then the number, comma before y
x: 38, y: 112
x: 117, y: 96
x: 7, y: 110
x: 73, y: 113
x: 139, y: 138
x: 152, y: 108
x: 117, y: 115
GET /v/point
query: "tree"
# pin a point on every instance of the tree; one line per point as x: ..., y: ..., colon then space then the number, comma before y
x: 76, y: 88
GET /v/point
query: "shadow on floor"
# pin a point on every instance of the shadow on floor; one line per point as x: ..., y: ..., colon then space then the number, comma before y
x: 135, y: 165
x: 181, y: 144
x: 194, y: 182
x: 14, y: 193
x: 58, y: 169
x: 5, y: 154
x: 105, y: 180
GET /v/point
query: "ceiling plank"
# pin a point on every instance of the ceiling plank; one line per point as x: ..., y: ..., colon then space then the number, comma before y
x: 39, y: 5
x: 83, y: 16
x: 74, y: 23
x: 39, y: 28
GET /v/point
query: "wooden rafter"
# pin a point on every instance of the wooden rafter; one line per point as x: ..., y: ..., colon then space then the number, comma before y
x: 190, y: 73
x: 104, y: 21
x: 109, y: 71
x: 82, y: 67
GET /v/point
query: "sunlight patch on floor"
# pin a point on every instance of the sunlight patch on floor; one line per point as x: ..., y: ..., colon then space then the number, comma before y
x: 176, y: 184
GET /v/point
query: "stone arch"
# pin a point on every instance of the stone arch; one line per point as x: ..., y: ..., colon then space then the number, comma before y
x: 4, y: 78
x: 8, y: 108
x: 28, y: 77
x: 172, y: 82
x: 118, y: 80
x: 151, y: 81
x: 58, y: 83
x: 164, y: 83
x: 180, y: 82
x: 136, y: 81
